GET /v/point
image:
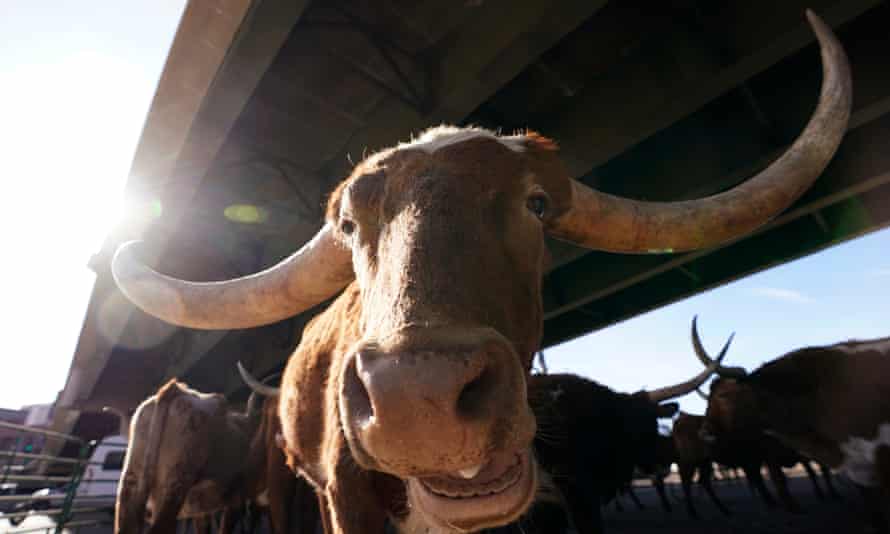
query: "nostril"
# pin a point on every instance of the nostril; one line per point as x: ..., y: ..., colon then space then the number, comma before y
x: 473, y: 399
x: 358, y: 400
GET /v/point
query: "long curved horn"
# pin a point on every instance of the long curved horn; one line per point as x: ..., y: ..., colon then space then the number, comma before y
x: 316, y: 272
x: 693, y: 383
x: 726, y: 372
x: 255, y: 385
x: 600, y: 221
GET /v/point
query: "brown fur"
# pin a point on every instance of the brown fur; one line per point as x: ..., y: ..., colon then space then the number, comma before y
x: 447, y: 259
x: 693, y: 454
x: 191, y: 455
x: 814, y: 399
x: 830, y: 394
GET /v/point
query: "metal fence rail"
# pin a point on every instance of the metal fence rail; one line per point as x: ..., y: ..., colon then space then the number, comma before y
x: 67, y: 510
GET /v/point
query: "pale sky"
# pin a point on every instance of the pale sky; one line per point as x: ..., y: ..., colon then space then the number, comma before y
x: 839, y: 294
x: 77, y: 79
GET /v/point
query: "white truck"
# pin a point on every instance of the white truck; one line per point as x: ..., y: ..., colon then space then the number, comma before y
x: 97, y: 488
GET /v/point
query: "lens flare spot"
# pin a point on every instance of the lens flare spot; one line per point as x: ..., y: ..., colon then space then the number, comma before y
x: 245, y: 214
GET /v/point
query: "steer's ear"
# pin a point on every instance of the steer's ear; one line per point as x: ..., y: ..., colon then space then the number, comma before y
x: 667, y: 409
x: 332, y: 210
x: 535, y: 141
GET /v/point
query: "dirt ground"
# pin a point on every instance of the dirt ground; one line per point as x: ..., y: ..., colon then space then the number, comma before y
x: 749, y: 515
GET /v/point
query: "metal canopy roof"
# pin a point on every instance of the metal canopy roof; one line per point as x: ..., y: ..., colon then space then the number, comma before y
x: 261, y: 107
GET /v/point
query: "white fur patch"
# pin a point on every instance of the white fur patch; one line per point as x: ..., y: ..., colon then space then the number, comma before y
x: 859, y: 456
x: 439, y: 137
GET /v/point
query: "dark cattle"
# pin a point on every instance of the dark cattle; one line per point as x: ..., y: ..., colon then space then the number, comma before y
x: 750, y: 449
x: 775, y: 452
x: 694, y: 455
x: 665, y: 456
x: 417, y: 371
x: 590, y: 439
x: 191, y: 455
x: 744, y: 449
x: 832, y: 404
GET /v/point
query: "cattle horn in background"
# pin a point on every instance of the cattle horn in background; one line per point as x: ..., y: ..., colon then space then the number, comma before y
x: 683, y: 388
x: 707, y: 361
x: 595, y: 220
x: 255, y: 385
x: 605, y: 222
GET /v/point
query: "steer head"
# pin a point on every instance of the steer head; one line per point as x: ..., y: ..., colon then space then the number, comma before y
x: 736, y: 409
x: 446, y: 236
x: 442, y: 241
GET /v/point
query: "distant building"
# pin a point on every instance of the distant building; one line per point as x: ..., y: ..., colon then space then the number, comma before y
x: 35, y: 416
x: 39, y: 415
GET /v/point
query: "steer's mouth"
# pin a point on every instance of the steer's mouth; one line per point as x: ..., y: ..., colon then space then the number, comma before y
x: 480, y: 497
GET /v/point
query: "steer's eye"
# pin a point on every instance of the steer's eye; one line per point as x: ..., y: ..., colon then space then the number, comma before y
x: 347, y: 226
x: 537, y: 204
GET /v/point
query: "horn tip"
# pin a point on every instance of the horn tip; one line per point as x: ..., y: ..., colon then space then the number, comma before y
x: 824, y: 34
x: 813, y: 18
x: 819, y: 26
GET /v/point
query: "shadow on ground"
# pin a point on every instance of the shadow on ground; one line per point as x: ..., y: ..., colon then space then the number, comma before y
x: 749, y: 514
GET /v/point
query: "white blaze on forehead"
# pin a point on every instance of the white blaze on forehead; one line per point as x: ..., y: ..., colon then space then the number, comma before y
x: 442, y: 136
x: 859, y: 457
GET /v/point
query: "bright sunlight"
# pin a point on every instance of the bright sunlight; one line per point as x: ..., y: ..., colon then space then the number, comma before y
x: 76, y: 84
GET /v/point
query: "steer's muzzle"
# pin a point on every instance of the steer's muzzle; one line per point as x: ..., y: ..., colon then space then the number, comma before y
x: 445, y: 410
x: 435, y: 401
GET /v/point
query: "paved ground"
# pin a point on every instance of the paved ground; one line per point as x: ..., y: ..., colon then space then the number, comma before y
x: 749, y: 515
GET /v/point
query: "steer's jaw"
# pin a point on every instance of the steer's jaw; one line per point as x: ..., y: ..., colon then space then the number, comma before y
x: 497, y: 494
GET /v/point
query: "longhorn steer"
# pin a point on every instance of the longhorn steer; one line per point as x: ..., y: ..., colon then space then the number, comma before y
x: 418, y: 370
x: 190, y: 455
x: 750, y: 449
x: 742, y: 449
x: 665, y: 456
x: 591, y: 438
x: 694, y: 454
x: 831, y: 403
